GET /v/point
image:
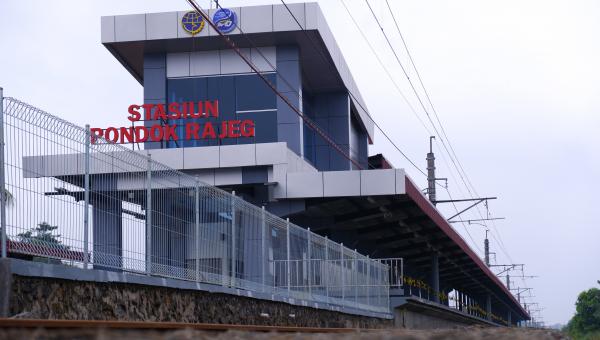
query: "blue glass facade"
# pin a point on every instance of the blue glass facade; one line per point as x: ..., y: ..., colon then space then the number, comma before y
x: 245, y: 96
x: 240, y: 97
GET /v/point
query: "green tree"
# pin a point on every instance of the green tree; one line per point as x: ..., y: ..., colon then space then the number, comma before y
x: 585, y: 324
x: 42, y: 235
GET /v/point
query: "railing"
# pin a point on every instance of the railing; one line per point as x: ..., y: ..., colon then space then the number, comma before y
x: 101, y: 205
x: 395, y: 271
x: 360, y: 283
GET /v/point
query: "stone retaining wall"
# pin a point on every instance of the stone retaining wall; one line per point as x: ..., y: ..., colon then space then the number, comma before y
x: 50, y: 298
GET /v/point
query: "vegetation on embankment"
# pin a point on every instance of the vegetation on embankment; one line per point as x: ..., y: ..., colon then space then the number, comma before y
x: 585, y: 324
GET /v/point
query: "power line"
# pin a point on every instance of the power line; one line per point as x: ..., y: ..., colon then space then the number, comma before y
x: 458, y: 166
x: 296, y: 91
x: 452, y: 153
x: 306, y: 120
x: 356, y: 99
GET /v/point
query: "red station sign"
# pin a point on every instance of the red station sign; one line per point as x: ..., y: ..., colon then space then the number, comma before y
x: 187, y: 112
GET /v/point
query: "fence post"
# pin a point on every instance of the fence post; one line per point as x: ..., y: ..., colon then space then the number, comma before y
x: 287, y: 240
x: 343, y: 271
x: 233, y: 240
x: 197, y: 222
x: 327, y: 268
x: 355, y: 276
x: 2, y: 178
x: 263, y: 246
x: 308, y: 269
x: 370, y: 287
x: 149, y: 216
x: 86, y: 199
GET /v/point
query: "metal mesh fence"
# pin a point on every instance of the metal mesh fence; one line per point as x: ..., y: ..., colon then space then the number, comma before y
x: 76, y: 200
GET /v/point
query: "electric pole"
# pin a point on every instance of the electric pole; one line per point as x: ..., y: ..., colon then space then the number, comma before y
x: 431, y: 172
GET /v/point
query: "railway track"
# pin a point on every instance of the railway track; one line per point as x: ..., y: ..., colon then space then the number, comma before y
x: 139, y: 325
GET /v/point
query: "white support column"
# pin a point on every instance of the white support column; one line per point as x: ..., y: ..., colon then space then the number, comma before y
x: 370, y: 287
x: 308, y: 267
x: 197, y: 225
x: 287, y: 240
x: 149, y: 216
x: 355, y: 276
x: 86, y: 199
x: 263, y: 247
x: 327, y: 268
x: 233, y: 241
x: 2, y: 177
x: 343, y: 271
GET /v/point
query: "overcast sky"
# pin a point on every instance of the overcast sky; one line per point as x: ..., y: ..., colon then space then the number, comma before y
x: 516, y: 85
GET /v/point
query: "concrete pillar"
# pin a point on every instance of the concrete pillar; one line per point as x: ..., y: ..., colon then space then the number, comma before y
x: 435, y: 277
x: 508, y: 318
x: 488, y: 306
x: 289, y: 124
x: 107, y: 224
x: 5, y: 287
x: 170, y: 226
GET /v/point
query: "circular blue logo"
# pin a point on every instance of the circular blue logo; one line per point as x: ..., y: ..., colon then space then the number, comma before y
x: 225, y: 20
x: 192, y: 22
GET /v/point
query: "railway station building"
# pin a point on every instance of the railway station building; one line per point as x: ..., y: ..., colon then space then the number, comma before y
x: 284, y: 127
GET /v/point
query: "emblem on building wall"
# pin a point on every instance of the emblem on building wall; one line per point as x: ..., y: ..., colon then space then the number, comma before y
x: 225, y: 19
x: 192, y: 22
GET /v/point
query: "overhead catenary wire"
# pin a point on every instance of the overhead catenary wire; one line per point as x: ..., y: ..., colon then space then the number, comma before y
x: 459, y: 167
x: 410, y: 105
x: 306, y: 120
x: 443, y: 136
x: 356, y: 99
x: 458, y: 164
x: 393, y: 81
x: 296, y: 91
x: 451, y: 153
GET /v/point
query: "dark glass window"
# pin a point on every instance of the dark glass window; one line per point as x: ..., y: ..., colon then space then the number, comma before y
x: 240, y: 97
x: 253, y: 94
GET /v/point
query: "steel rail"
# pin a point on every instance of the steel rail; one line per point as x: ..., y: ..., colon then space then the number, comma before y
x: 74, y: 324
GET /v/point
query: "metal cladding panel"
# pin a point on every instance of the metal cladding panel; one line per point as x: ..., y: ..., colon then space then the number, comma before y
x: 201, y: 157
x: 304, y: 184
x: 271, y: 153
x: 231, y: 62
x: 228, y: 176
x: 172, y: 158
x: 377, y: 182
x: 290, y: 133
x: 161, y: 25
x: 205, y: 63
x: 178, y: 65
x: 237, y: 155
x: 341, y: 183
x: 130, y: 27
x: 255, y: 19
x: 258, y: 56
x: 107, y: 29
x: 284, y: 21
x: 206, y: 176
x: 157, y: 85
x: 400, y: 182
x: 311, y: 17
x: 155, y: 60
x: 252, y: 175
